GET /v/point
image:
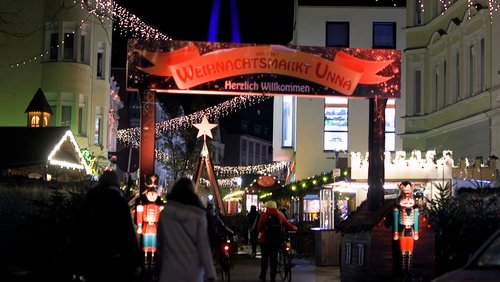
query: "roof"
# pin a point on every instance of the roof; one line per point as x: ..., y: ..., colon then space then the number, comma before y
x: 28, y: 146
x: 363, y: 219
x: 39, y: 103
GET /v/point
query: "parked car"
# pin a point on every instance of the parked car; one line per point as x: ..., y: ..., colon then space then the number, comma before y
x: 483, y: 265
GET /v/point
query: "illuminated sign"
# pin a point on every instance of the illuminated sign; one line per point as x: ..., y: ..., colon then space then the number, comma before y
x: 235, y: 69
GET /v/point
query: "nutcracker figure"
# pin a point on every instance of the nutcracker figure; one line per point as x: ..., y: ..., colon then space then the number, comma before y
x: 406, y: 224
x: 147, y: 214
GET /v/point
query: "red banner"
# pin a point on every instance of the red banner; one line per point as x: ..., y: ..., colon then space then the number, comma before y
x: 204, y: 67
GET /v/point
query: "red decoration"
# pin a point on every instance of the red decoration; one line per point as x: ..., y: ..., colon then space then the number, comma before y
x: 266, y: 181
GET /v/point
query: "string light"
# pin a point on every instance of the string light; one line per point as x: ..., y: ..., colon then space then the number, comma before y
x: 493, y: 6
x: 131, y: 136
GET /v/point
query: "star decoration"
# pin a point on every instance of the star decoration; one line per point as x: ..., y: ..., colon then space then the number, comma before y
x: 204, y: 128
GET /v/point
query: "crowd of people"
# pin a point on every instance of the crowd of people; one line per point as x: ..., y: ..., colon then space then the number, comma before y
x: 188, y: 235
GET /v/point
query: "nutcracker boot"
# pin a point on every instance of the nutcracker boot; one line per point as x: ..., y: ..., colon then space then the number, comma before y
x: 404, y: 263
x: 410, y: 262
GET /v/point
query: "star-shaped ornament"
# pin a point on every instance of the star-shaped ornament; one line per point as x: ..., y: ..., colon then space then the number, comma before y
x: 204, y: 128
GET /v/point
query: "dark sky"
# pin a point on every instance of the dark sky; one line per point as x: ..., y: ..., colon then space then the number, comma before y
x: 260, y: 21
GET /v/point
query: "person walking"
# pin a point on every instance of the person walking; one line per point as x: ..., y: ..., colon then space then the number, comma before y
x: 253, y: 218
x: 183, y: 245
x: 271, y: 225
x: 105, y: 246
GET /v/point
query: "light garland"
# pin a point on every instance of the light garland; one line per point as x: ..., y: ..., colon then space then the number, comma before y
x: 256, y: 169
x: 493, y: 6
x: 131, y: 136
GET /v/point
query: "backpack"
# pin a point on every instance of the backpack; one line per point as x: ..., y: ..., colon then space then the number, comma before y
x: 274, y: 230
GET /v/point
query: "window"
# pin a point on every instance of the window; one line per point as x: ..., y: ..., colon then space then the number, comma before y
x: 54, y: 44
x: 481, y: 65
x: 390, y: 125
x: 438, y: 7
x: 418, y: 92
x: 337, y: 34
x: 335, y: 124
x: 100, y: 60
x: 53, y: 116
x: 347, y: 253
x: 66, y: 116
x: 244, y: 125
x: 417, y: 20
x: 360, y: 254
x: 69, y: 46
x: 456, y: 89
x: 471, y: 70
x: 443, y: 81
x: 84, y: 44
x: 287, y: 121
x: 250, y: 153
x: 257, y: 154
x: 384, y: 35
x: 264, y: 153
x: 435, y: 88
x: 97, y: 130
x: 257, y: 130
x: 243, y: 160
x: 35, y: 121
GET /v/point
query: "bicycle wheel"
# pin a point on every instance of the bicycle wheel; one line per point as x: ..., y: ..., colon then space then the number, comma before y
x: 281, y: 265
x: 288, y: 267
x: 225, y: 269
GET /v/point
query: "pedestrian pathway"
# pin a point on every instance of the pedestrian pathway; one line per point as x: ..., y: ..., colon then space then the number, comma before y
x: 246, y: 269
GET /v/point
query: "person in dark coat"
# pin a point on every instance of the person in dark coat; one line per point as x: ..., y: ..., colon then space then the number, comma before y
x: 105, y: 244
x: 253, y: 219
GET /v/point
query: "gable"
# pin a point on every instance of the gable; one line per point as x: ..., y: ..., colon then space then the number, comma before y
x: 34, y: 146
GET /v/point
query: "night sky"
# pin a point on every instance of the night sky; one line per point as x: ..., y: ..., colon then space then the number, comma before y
x: 260, y: 21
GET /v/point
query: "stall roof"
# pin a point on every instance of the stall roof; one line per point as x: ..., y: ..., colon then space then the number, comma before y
x: 28, y: 146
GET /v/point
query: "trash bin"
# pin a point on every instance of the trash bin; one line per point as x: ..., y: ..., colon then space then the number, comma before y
x: 327, y: 246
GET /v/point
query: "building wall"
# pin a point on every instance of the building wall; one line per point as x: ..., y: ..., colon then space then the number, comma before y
x: 310, y: 30
x: 458, y: 108
x: 26, y: 65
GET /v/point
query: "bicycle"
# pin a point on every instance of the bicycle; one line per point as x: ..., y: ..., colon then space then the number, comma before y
x: 285, y: 264
x: 224, y: 261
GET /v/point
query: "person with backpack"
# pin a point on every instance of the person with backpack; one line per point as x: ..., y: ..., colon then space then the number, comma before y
x: 272, y: 224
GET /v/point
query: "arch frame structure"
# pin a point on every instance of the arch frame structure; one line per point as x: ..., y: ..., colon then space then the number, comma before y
x: 216, y: 68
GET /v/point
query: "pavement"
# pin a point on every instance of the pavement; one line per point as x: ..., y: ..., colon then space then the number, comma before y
x: 246, y: 269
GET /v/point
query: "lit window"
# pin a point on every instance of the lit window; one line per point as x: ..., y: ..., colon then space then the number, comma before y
x: 97, y: 131
x: 35, y: 121
x: 287, y: 121
x: 336, y: 124
x: 337, y: 34
x: 390, y: 125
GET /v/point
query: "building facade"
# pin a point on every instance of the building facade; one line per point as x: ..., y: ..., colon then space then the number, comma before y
x: 63, y: 49
x: 299, y: 129
x: 453, y: 77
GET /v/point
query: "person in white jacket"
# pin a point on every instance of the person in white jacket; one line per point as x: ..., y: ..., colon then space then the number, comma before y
x: 183, y: 244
